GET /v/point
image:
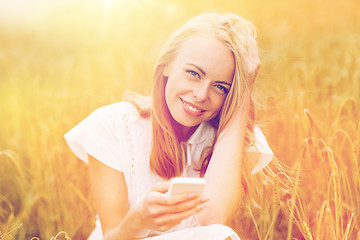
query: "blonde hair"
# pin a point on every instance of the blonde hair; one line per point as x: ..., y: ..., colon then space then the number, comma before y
x: 236, y: 34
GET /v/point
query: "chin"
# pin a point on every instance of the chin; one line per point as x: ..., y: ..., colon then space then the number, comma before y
x: 187, y: 122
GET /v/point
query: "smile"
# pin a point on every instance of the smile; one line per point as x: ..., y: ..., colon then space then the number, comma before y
x: 191, y: 109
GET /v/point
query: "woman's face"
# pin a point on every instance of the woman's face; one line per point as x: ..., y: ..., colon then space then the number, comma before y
x: 199, y: 79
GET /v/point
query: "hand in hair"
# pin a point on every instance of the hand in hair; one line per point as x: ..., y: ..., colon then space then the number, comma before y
x: 226, y: 164
x: 253, y: 61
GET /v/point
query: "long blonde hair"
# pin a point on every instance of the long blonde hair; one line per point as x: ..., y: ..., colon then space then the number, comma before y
x: 236, y: 34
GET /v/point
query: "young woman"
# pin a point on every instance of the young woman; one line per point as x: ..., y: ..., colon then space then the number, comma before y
x: 198, y: 124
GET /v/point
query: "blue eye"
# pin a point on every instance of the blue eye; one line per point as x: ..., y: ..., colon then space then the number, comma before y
x: 194, y: 74
x: 222, y: 89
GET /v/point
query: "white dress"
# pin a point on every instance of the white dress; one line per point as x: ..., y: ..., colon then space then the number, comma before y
x: 117, y: 136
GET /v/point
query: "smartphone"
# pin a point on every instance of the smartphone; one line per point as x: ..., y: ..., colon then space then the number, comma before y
x: 187, y: 185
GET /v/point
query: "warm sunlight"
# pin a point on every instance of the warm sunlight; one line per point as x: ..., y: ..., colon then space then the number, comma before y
x: 61, y: 60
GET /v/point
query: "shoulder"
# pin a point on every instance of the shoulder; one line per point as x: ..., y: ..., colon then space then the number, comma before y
x: 116, y: 112
x: 110, y: 116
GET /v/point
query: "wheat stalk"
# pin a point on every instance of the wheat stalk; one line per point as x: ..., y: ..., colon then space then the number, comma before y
x: 321, y: 219
x: 348, y: 227
x: 337, y: 194
x: 276, y: 190
x: 329, y: 225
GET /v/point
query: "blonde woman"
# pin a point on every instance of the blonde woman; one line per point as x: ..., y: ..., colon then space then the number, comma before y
x: 198, y: 123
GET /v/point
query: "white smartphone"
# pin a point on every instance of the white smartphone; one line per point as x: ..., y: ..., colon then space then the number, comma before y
x: 187, y: 185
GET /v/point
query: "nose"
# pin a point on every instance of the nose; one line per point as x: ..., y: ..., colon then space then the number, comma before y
x: 201, y: 92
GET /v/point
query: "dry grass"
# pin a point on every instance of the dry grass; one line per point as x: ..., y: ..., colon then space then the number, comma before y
x: 58, y: 63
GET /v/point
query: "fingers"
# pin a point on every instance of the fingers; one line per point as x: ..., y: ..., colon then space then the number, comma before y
x: 169, y: 220
x: 183, y: 206
x: 253, y: 60
x: 164, y: 204
x: 163, y: 211
x: 184, y: 214
x: 163, y: 199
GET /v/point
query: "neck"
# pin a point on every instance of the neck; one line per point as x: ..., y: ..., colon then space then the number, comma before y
x: 183, y: 133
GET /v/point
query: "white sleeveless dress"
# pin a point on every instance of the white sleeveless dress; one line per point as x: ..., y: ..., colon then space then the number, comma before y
x: 117, y: 136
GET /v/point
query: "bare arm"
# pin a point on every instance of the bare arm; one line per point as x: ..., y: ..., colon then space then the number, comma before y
x: 158, y: 211
x: 111, y: 198
x: 223, y: 174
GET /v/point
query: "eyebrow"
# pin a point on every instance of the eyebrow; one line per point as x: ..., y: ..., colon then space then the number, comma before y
x: 203, y: 72
x: 222, y: 82
x: 199, y: 68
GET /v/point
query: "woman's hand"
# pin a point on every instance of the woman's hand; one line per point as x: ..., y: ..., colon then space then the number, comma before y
x: 225, y: 166
x: 253, y: 62
x: 160, y: 211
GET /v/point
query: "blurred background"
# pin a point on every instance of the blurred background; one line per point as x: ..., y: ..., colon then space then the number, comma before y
x: 60, y: 60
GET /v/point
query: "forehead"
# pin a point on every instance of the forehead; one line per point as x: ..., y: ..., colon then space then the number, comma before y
x: 208, y: 53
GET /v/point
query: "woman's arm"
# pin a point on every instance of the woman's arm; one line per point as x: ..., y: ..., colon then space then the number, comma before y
x: 223, y: 174
x: 158, y: 211
x: 110, y: 196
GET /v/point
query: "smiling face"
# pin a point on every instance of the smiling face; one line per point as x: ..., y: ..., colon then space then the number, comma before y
x: 199, y: 79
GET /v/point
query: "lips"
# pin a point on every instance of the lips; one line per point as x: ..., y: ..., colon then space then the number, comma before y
x: 191, y: 108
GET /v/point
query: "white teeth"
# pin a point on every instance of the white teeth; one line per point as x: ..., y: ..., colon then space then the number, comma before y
x: 191, y: 108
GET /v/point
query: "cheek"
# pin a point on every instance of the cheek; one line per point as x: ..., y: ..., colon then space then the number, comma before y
x: 218, y: 103
x: 172, y: 87
x: 170, y: 91
x: 167, y: 93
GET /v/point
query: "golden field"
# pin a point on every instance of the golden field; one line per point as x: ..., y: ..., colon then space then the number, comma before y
x: 60, y: 61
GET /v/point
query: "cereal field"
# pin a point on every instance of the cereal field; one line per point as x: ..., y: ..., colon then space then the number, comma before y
x: 60, y: 60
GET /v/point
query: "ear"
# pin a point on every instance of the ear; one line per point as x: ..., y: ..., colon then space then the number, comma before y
x: 166, y: 71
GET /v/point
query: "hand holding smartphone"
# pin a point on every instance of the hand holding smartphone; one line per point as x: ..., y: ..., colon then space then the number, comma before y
x: 187, y: 185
